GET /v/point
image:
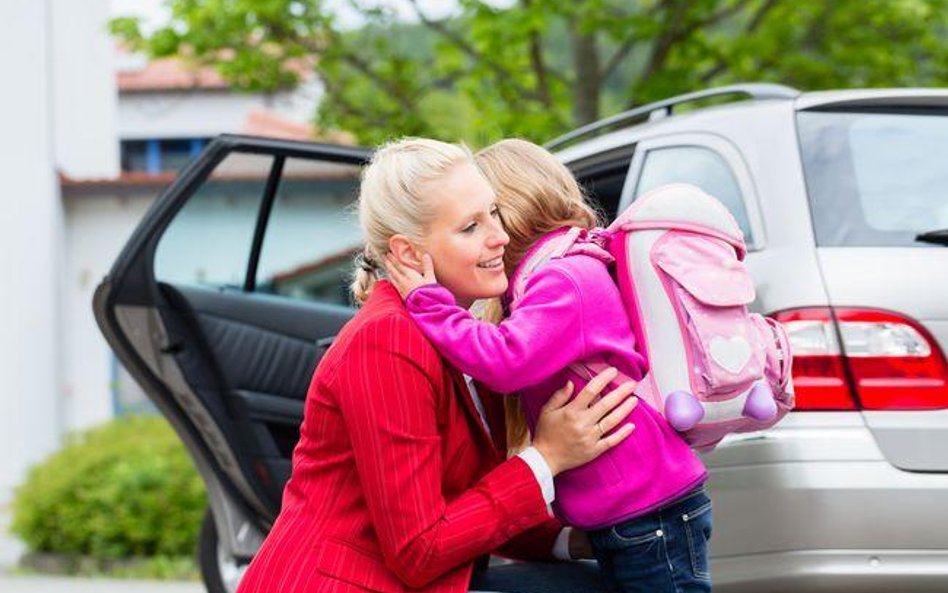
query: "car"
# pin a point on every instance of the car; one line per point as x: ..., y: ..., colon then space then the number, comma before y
x: 234, y: 283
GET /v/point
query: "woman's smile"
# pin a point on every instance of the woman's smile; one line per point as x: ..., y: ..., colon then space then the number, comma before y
x: 493, y: 264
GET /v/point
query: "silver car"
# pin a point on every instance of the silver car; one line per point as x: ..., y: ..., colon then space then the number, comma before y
x: 227, y: 294
x: 843, y: 199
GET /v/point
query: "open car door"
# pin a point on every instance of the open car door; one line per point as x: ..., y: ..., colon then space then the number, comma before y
x: 220, y: 306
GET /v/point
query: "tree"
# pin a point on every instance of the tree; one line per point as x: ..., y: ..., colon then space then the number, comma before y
x: 537, y: 68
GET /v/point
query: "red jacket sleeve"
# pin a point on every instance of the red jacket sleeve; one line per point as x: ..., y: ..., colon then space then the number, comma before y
x: 389, y: 390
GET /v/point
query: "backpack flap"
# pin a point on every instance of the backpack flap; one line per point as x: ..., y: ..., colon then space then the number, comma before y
x: 709, y: 289
x: 706, y: 267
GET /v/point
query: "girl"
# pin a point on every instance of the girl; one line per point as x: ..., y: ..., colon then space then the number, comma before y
x: 642, y: 503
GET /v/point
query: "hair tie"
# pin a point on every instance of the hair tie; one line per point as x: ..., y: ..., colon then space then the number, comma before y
x: 367, y: 265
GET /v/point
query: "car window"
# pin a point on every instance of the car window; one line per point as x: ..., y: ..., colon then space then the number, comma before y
x: 209, y: 241
x: 312, y: 234
x: 698, y: 166
x: 875, y: 179
x: 604, y: 188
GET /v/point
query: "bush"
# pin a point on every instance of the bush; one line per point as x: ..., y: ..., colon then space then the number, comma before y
x: 125, y: 489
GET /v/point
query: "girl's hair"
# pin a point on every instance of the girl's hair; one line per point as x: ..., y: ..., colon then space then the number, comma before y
x: 536, y: 194
x: 393, y: 199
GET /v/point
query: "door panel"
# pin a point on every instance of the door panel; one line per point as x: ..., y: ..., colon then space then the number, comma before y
x: 265, y: 352
x: 226, y: 339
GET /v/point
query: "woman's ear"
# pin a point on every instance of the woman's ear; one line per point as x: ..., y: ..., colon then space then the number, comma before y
x: 405, y: 252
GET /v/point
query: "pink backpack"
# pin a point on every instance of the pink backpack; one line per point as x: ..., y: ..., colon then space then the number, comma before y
x: 714, y: 367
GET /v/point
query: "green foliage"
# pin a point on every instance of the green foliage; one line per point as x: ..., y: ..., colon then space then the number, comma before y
x: 537, y: 68
x: 124, y: 489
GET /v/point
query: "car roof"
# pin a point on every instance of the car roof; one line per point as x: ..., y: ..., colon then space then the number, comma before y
x: 909, y: 97
x: 816, y: 100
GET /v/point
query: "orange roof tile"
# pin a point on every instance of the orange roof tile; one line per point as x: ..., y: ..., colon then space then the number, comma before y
x: 169, y: 74
x: 267, y: 123
x: 273, y: 125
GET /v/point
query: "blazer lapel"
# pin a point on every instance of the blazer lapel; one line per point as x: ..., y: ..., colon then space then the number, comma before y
x: 496, y: 417
x: 485, y: 439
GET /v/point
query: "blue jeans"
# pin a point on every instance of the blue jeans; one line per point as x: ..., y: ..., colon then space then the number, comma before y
x: 665, y: 550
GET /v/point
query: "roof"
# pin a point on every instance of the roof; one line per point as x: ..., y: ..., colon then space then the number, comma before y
x: 126, y: 184
x: 136, y: 73
x: 167, y: 74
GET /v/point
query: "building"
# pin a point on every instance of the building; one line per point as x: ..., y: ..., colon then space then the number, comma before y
x: 93, y: 135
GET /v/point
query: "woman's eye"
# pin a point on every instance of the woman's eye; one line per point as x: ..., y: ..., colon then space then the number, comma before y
x: 495, y: 213
x: 469, y: 228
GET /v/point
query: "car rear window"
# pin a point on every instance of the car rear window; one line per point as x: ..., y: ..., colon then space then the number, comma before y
x: 875, y: 178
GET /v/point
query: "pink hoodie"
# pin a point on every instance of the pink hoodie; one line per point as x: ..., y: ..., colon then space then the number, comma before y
x: 570, y: 311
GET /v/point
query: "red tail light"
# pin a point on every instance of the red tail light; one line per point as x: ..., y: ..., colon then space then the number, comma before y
x: 849, y: 358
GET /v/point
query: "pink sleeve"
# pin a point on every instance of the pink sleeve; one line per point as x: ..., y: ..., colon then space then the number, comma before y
x: 543, y: 335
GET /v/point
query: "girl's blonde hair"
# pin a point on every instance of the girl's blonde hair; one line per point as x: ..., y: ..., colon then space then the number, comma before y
x: 536, y: 194
x: 393, y: 199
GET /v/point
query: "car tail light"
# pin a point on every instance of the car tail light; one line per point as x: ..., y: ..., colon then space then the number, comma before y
x: 851, y: 358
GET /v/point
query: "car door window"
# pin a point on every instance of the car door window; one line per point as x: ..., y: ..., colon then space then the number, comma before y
x: 208, y: 242
x: 312, y: 233
x: 698, y: 166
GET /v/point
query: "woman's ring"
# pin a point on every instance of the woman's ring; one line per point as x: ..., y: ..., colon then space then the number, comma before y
x: 601, y: 432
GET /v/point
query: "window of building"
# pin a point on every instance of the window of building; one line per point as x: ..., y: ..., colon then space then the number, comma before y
x: 158, y: 155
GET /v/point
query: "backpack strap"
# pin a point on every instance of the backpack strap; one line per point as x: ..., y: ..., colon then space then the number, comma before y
x: 575, y: 241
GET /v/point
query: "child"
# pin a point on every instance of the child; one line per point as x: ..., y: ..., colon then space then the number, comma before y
x: 642, y: 503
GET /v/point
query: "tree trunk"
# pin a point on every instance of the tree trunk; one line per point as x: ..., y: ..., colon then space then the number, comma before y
x: 588, y: 79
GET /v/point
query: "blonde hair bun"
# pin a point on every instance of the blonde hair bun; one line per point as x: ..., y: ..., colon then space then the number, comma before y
x: 393, y: 200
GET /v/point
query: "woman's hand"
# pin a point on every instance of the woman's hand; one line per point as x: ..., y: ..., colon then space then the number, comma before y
x: 407, y: 279
x: 571, y: 433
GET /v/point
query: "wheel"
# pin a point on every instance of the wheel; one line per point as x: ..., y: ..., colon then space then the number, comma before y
x: 220, y: 570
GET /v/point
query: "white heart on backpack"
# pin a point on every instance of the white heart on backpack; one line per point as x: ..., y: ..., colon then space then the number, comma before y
x: 731, y: 354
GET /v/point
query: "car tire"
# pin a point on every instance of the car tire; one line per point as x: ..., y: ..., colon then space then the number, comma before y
x: 220, y: 570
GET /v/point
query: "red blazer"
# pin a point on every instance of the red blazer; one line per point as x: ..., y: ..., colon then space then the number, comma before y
x: 396, y: 485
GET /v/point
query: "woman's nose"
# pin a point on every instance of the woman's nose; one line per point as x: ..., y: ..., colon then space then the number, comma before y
x: 498, y: 236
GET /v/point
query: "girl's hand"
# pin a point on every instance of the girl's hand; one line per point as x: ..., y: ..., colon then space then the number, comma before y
x: 571, y: 433
x: 407, y: 279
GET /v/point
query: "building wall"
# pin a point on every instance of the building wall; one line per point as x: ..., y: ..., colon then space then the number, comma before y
x: 61, y: 118
x: 30, y: 234
x: 197, y: 113
x: 97, y: 226
x: 83, y: 89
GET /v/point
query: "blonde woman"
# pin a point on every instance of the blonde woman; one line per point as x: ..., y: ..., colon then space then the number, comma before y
x: 642, y: 503
x: 399, y: 479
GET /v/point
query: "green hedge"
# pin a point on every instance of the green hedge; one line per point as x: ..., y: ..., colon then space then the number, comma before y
x: 121, y: 490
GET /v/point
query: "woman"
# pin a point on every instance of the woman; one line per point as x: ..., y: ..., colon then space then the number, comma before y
x: 397, y: 482
x: 570, y: 313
